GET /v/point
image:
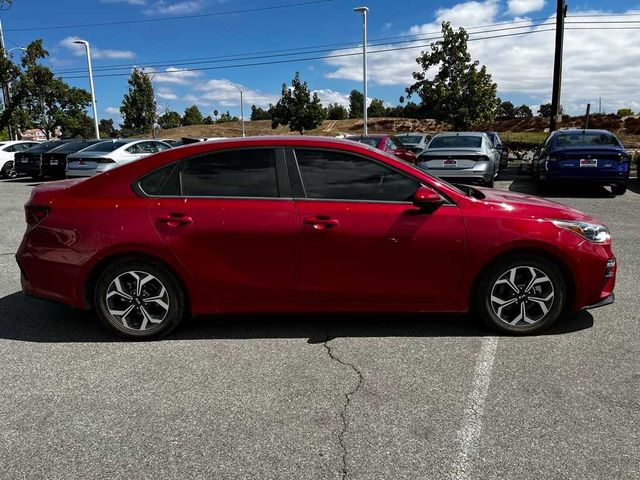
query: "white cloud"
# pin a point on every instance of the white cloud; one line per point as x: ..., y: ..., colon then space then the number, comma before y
x: 112, y: 111
x: 221, y: 92
x: 178, y: 76
x: 596, y: 62
x: 328, y: 97
x: 130, y: 2
x: 78, y: 50
x: 163, y: 7
x: 166, y: 94
x: 521, y: 7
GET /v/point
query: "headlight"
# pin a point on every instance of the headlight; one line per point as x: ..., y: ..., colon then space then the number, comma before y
x: 593, y: 232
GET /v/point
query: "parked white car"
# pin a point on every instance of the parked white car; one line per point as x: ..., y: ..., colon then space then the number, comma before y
x: 109, y: 154
x: 8, y: 150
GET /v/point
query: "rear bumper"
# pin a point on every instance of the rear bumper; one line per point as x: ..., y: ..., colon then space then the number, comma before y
x: 28, y: 169
x: 80, y: 173
x: 476, y: 173
x: 55, y: 171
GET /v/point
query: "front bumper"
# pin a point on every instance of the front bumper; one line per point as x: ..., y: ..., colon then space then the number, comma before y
x: 608, y: 300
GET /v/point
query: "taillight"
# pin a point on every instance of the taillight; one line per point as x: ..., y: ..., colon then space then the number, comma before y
x: 34, y: 214
x: 105, y: 160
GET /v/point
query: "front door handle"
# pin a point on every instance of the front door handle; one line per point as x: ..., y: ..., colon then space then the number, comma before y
x: 175, y: 219
x: 321, y: 222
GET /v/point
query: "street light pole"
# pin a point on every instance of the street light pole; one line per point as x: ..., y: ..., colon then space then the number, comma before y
x: 241, y: 107
x: 93, y: 93
x: 364, y: 11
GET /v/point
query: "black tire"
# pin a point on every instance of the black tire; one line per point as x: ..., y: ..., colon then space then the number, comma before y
x: 489, y: 183
x: 619, y: 189
x: 555, y: 283
x: 131, y: 327
x: 6, y: 171
x: 38, y: 178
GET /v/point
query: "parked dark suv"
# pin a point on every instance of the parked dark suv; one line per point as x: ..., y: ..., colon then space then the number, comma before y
x: 583, y: 156
x: 30, y: 162
x: 54, y: 162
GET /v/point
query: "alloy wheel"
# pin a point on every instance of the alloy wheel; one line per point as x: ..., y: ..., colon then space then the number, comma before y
x: 137, y: 300
x: 522, y: 296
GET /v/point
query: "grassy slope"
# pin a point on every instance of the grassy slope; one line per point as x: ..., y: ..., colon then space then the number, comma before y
x: 522, y: 130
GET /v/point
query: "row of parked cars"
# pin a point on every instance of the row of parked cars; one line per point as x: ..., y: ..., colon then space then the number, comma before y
x: 468, y: 157
x: 75, y: 158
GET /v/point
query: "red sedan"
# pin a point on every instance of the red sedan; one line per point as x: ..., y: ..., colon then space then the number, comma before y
x: 304, y: 224
x: 387, y: 143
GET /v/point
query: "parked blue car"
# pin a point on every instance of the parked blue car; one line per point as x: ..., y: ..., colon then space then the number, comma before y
x: 586, y: 156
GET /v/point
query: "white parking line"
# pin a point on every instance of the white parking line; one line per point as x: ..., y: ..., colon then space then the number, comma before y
x: 469, y: 433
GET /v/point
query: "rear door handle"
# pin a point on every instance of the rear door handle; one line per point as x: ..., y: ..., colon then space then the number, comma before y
x: 175, y: 219
x: 321, y: 222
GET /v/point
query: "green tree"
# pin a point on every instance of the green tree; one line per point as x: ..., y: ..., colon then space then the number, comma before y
x: 78, y: 126
x: 39, y: 99
x: 258, y: 113
x: 461, y: 92
x: 506, y: 111
x: 356, y: 104
x: 625, y: 112
x: 226, y: 117
x: 376, y: 108
x: 545, y: 110
x: 337, y: 112
x: 108, y: 129
x: 297, y: 108
x: 192, y: 116
x: 207, y: 120
x: 523, y: 111
x: 139, y: 105
x: 169, y: 119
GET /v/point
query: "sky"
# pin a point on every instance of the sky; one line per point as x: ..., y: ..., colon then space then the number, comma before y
x: 195, y: 60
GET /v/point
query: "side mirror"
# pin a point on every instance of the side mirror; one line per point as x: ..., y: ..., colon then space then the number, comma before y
x: 426, y: 198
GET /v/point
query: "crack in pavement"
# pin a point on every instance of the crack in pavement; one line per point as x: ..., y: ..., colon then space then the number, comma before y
x: 4, y: 254
x: 347, y: 402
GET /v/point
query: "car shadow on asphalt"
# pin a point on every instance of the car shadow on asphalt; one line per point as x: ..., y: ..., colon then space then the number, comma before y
x: 524, y: 184
x: 31, y: 320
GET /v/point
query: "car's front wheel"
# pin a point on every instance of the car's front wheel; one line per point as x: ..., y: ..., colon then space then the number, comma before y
x: 8, y: 171
x: 139, y: 299
x: 521, y: 294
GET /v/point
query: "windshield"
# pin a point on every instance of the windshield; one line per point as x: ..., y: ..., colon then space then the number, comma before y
x: 107, y: 146
x: 585, y: 139
x: 410, y: 139
x: 372, y: 142
x: 456, y: 141
x: 44, y: 147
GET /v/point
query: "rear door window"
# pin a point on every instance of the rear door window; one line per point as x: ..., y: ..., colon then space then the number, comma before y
x: 328, y: 174
x: 237, y: 173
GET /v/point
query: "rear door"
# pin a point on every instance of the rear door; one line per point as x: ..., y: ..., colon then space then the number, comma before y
x: 363, y: 241
x: 228, y: 216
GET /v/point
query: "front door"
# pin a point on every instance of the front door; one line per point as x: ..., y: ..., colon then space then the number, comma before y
x: 363, y: 241
x: 230, y: 226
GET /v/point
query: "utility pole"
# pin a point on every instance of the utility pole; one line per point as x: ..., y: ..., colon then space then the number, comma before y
x: 586, y: 118
x: 6, y: 93
x: 561, y: 12
x: 600, y: 105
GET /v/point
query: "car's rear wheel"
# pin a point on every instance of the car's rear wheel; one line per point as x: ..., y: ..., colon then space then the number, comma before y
x: 619, y: 189
x: 6, y: 171
x: 521, y: 294
x: 489, y: 183
x: 139, y: 299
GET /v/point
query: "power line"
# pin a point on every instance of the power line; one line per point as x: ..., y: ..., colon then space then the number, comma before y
x: 180, y: 17
x: 298, y: 52
x: 321, y: 57
x: 276, y: 53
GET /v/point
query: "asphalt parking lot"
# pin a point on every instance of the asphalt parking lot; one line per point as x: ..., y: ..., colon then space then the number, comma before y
x: 300, y: 396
